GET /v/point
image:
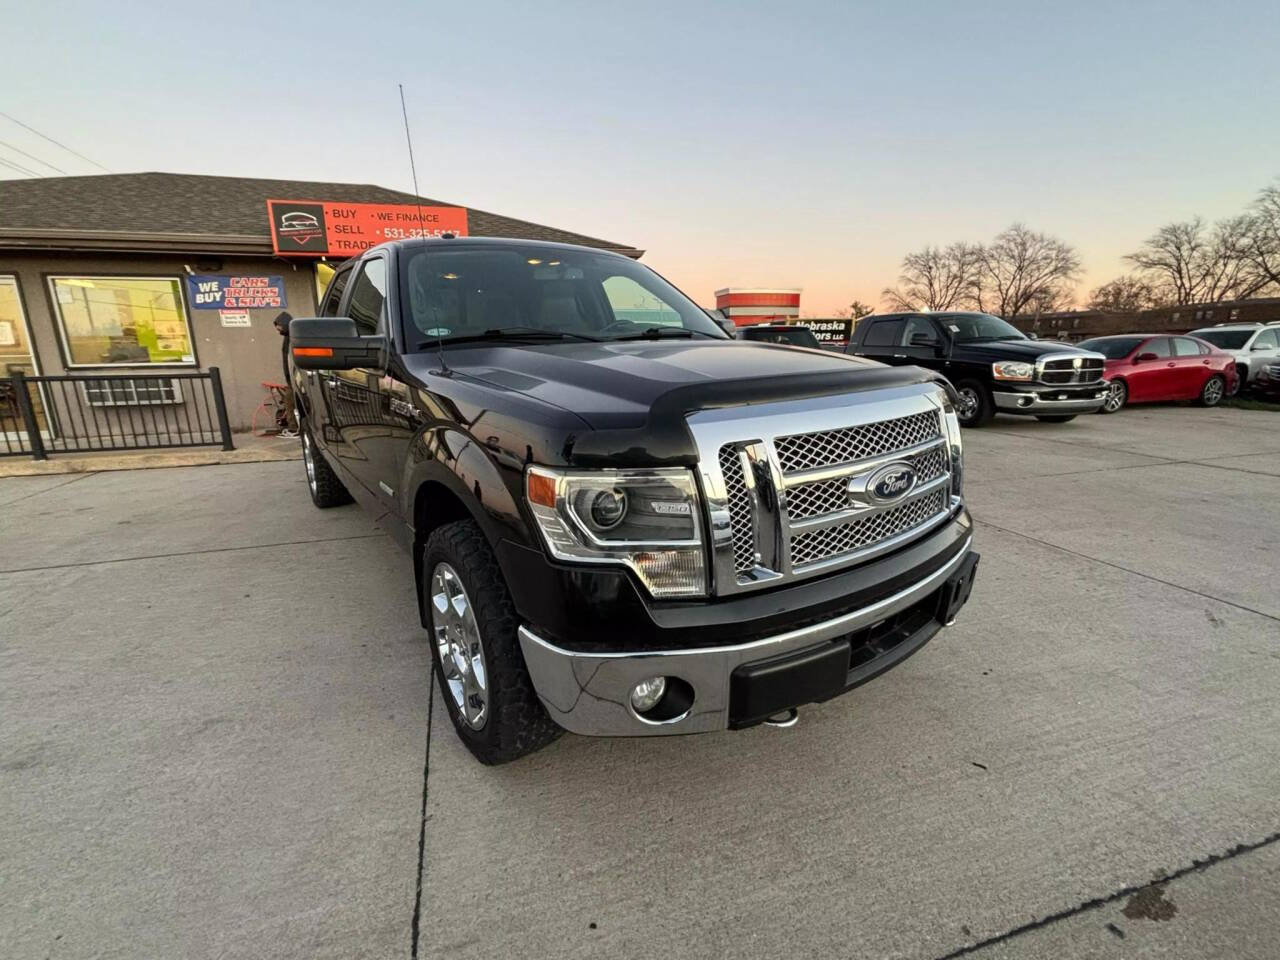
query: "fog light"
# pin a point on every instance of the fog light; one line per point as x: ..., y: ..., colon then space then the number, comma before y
x: 646, y: 694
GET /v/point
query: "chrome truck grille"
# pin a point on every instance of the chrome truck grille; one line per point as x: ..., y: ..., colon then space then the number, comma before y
x: 797, y: 488
x: 1070, y: 368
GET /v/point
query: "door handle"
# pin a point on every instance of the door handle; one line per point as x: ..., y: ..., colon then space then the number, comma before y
x: 1170, y: 364
x: 899, y: 356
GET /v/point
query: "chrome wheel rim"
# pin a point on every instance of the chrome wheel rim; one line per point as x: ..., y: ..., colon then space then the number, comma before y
x: 309, y: 460
x: 459, y: 647
x: 1115, y: 397
x: 967, y: 405
x: 1213, y: 391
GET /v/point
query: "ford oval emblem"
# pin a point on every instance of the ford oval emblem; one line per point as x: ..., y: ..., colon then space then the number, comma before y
x: 892, y: 482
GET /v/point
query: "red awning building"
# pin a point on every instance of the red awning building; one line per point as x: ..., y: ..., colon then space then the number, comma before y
x: 747, y: 306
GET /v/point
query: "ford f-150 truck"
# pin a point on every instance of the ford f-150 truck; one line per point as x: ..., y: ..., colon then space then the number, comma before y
x: 622, y: 521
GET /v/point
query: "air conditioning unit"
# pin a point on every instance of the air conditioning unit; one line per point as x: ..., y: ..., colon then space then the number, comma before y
x: 143, y: 392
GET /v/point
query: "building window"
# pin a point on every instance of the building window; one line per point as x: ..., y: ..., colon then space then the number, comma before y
x: 1235, y: 313
x: 122, y: 321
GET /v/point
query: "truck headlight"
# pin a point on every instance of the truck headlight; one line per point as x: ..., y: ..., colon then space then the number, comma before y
x: 1013, y: 370
x: 648, y: 520
x: 955, y: 446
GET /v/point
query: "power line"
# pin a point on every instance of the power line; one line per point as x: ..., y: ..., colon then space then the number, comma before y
x: 32, y: 156
x: 20, y: 169
x: 74, y: 153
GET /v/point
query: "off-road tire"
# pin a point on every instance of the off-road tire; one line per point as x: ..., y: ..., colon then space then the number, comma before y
x: 323, y: 484
x: 1055, y: 417
x: 517, y: 723
x: 986, y: 408
x: 1210, y: 398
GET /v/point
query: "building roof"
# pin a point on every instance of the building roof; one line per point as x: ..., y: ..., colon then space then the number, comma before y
x: 195, y: 213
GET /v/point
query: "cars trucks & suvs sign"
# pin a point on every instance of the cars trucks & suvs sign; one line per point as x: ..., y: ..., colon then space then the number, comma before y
x: 318, y: 228
x: 218, y: 292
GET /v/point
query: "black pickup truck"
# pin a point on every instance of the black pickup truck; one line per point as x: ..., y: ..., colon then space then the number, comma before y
x: 622, y: 521
x: 993, y: 366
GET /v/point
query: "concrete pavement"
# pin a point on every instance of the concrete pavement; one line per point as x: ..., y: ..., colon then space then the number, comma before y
x: 216, y: 711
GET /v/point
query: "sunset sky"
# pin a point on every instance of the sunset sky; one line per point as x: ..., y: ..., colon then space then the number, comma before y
x: 755, y: 144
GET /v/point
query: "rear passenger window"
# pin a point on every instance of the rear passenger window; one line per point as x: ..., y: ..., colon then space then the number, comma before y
x: 884, y: 333
x: 1184, y: 347
x: 369, y: 296
x: 333, y: 296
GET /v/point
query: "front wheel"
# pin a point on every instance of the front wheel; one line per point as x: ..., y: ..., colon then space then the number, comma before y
x: 475, y: 652
x: 1117, y: 397
x: 1214, y: 389
x: 974, y: 405
x: 322, y: 483
x: 1055, y: 417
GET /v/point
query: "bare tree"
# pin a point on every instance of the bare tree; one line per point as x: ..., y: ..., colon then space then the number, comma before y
x: 1190, y: 262
x: 1261, y: 246
x: 935, y: 278
x: 1023, y: 271
x: 1124, y: 295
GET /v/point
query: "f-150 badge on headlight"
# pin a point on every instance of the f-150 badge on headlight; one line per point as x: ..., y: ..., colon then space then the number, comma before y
x: 891, y: 483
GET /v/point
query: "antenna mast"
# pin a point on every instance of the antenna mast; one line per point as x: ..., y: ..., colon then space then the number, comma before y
x: 417, y: 199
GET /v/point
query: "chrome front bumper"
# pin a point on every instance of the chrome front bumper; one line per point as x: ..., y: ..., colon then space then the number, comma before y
x: 1038, y: 402
x: 589, y: 693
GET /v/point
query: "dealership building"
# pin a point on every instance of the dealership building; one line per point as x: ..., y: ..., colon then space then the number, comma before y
x: 172, y: 274
x: 747, y: 306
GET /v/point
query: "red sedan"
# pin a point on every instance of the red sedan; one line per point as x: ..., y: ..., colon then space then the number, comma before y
x: 1144, y: 368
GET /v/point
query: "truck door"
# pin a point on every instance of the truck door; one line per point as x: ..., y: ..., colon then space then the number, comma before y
x: 357, y: 404
x: 921, y: 343
x: 883, y: 341
x: 313, y: 384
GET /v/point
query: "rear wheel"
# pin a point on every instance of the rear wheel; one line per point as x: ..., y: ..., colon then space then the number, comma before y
x: 323, y: 484
x: 1117, y: 397
x: 475, y: 651
x: 1214, y: 389
x: 974, y: 406
x: 1055, y: 418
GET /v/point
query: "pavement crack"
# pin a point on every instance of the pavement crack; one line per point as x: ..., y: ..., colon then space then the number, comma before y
x: 192, y: 553
x: 416, y: 924
x: 1122, y: 567
x: 56, y: 486
x: 1152, y: 891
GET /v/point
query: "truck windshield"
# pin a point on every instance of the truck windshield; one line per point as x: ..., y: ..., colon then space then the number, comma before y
x: 976, y: 327
x: 487, y: 292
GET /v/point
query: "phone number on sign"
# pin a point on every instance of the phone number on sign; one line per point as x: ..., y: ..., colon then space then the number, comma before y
x: 413, y: 233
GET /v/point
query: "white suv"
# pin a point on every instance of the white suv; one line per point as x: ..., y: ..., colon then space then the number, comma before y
x: 1254, y: 345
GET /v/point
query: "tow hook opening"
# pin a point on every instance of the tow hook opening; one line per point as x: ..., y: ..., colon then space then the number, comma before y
x: 787, y: 718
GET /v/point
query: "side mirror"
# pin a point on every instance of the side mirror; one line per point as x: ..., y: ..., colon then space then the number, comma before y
x: 923, y: 340
x: 1145, y: 357
x: 333, y: 343
x: 1033, y: 336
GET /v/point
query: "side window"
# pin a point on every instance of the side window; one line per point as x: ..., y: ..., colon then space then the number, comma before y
x: 1185, y: 347
x: 884, y: 333
x: 1267, y: 338
x: 329, y: 306
x: 1204, y: 348
x: 919, y: 332
x: 1159, y: 346
x: 369, y: 297
x: 627, y: 299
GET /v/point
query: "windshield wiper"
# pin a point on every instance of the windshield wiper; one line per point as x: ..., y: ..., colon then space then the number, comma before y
x: 658, y: 333
x: 510, y: 333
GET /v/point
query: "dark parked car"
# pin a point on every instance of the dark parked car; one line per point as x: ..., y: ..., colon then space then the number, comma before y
x: 1145, y: 368
x: 785, y: 334
x: 626, y: 526
x: 993, y: 366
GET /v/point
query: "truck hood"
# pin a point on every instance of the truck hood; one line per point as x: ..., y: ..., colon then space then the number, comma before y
x: 1029, y: 350
x: 633, y: 396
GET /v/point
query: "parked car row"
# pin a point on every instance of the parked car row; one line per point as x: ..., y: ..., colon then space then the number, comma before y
x: 1143, y: 368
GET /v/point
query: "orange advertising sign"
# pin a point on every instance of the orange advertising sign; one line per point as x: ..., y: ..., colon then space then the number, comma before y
x: 319, y: 228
